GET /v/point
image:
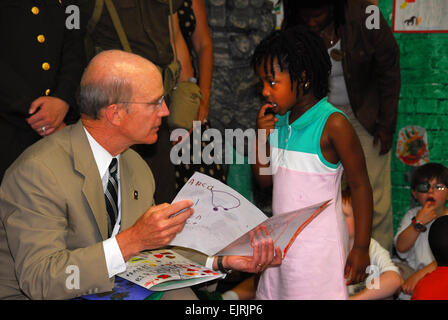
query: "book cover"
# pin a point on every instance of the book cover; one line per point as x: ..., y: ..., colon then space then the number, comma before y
x: 123, y: 290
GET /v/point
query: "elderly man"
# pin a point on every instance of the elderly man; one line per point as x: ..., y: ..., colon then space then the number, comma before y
x: 58, y: 209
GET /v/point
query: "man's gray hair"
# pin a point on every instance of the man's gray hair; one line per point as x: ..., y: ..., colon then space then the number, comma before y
x: 98, y: 94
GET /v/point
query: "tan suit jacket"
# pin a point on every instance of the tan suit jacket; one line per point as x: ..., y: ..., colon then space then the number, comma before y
x: 53, y: 217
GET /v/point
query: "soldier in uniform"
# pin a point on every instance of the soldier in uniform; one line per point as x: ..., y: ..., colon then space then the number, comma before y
x: 42, y: 62
x: 236, y: 27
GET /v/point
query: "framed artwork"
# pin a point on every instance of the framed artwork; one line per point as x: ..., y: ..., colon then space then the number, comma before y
x: 420, y: 16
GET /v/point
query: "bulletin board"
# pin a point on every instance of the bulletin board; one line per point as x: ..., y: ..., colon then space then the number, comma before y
x: 420, y: 16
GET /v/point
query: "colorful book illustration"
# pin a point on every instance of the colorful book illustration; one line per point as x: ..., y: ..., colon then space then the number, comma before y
x: 123, y: 290
x: 160, y: 270
x: 226, y: 223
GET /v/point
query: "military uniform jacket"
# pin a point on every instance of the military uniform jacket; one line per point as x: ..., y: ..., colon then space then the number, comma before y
x: 145, y: 23
x: 39, y: 56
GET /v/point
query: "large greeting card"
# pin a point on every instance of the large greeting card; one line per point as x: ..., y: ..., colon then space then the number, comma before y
x: 225, y: 223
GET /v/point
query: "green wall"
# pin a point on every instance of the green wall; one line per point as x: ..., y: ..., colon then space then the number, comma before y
x: 423, y: 101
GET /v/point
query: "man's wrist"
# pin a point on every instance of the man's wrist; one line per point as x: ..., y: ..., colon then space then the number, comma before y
x: 128, y: 246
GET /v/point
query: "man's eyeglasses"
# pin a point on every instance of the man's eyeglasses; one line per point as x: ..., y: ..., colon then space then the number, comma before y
x: 158, y: 103
x: 424, y: 187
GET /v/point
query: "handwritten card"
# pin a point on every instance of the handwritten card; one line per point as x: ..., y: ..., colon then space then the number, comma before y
x: 225, y: 223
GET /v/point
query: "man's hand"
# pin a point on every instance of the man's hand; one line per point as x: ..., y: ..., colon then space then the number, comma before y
x: 357, y: 262
x: 385, y: 139
x: 263, y: 257
x: 50, y: 115
x: 156, y: 228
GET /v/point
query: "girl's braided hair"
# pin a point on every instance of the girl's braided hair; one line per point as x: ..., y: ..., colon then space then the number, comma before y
x: 302, y: 53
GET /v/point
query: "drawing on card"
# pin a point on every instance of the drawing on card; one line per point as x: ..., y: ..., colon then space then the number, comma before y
x: 220, y: 215
x: 224, y: 200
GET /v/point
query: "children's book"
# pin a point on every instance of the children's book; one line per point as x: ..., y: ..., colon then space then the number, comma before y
x: 226, y: 223
x: 123, y: 290
x: 165, y: 269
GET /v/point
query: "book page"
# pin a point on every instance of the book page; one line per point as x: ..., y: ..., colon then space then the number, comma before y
x: 220, y: 216
x: 282, y: 228
x: 149, y: 269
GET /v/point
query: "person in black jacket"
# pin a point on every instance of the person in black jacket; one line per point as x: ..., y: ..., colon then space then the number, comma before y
x: 41, y: 61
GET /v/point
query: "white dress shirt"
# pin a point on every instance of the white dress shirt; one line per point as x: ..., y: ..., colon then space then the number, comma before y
x: 114, y: 259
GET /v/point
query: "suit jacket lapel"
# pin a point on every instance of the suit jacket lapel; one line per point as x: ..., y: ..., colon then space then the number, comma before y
x: 85, y: 164
x: 129, y: 201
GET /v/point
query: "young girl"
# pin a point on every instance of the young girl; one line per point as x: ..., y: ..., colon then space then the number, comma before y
x: 313, y: 142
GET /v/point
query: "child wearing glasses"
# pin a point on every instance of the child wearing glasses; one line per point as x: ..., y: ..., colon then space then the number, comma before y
x: 312, y: 144
x: 429, y: 187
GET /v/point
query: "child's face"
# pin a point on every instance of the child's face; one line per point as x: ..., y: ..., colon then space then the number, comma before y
x: 347, y: 210
x: 277, y: 90
x: 437, y: 198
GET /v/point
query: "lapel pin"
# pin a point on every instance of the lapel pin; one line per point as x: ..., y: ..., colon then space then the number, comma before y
x: 135, y: 194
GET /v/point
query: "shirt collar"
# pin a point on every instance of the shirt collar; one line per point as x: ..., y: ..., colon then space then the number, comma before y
x: 101, y: 155
x: 305, y: 119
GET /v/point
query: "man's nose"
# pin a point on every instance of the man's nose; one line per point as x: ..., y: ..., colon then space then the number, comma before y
x: 164, y: 111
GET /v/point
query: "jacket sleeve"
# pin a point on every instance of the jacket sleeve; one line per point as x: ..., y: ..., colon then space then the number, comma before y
x: 386, y: 65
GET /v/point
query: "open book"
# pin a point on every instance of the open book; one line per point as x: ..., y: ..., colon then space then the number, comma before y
x: 160, y: 270
x: 225, y: 223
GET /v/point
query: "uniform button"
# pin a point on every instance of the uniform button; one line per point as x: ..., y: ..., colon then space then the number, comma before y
x: 46, y: 66
x: 47, y: 92
x: 35, y: 10
x: 41, y: 38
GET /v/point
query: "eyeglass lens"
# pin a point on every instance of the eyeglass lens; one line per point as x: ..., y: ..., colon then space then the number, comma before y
x: 424, y: 187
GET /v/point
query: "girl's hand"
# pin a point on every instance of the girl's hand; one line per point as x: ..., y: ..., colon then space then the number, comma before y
x: 266, y: 122
x: 265, y: 255
x: 357, y: 262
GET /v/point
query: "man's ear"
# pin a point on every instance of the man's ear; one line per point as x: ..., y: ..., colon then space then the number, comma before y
x: 113, y: 114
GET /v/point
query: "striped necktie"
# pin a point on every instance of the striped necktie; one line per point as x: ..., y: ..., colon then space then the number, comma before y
x: 111, y: 195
